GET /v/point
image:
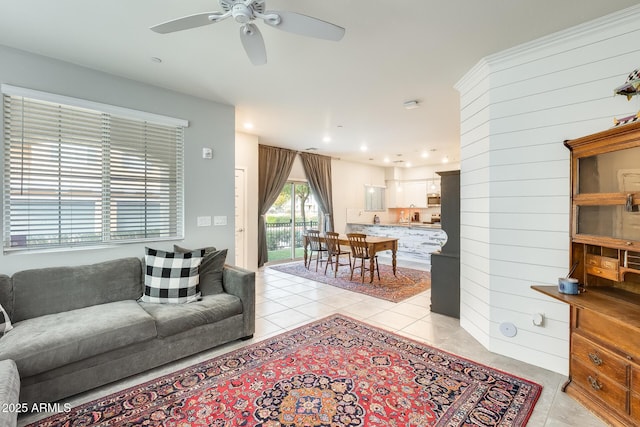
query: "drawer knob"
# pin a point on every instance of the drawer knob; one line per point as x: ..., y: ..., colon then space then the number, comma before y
x: 594, y: 383
x: 595, y: 359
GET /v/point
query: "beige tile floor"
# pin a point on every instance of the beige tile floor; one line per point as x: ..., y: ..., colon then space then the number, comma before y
x: 284, y: 302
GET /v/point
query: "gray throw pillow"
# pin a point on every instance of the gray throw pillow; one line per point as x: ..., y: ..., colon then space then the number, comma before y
x: 210, y: 269
x: 5, y: 322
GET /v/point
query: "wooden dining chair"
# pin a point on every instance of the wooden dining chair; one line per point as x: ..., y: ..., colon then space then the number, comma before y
x: 316, y: 245
x: 360, y: 251
x: 335, y: 251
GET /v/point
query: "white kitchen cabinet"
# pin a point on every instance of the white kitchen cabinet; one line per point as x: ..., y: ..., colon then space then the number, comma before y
x: 415, y: 194
x: 395, y: 195
x: 404, y: 194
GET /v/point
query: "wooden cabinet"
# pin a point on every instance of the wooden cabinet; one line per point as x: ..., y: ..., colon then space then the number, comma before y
x: 604, y: 366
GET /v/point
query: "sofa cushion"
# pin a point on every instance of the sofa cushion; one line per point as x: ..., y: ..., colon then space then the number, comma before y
x: 175, y: 318
x: 171, y: 277
x: 210, y: 269
x: 47, y: 342
x: 5, y: 322
x: 57, y: 289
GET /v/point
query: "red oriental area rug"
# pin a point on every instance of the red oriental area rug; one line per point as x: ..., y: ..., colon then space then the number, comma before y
x: 406, y: 283
x: 335, y: 372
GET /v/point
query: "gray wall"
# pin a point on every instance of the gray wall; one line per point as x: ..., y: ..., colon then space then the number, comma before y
x: 209, y: 184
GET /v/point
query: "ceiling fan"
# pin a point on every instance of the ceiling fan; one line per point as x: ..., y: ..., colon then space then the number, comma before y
x: 245, y: 12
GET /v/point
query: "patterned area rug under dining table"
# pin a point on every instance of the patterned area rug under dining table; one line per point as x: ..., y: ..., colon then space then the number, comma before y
x: 406, y: 283
x: 334, y: 372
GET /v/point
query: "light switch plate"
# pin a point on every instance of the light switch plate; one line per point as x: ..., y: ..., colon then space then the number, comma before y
x: 220, y: 220
x: 207, y: 153
x: 204, y: 221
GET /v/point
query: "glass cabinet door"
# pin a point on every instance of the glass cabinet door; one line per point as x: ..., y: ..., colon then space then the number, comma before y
x: 608, y: 221
x: 608, y: 194
x: 613, y: 172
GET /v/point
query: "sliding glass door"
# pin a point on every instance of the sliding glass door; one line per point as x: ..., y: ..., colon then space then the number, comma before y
x: 294, y: 211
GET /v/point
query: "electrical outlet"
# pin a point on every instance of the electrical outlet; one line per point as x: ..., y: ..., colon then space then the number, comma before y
x: 204, y: 221
x: 220, y: 220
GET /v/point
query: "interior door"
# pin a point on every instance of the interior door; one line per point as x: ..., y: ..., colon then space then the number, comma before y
x: 240, y: 219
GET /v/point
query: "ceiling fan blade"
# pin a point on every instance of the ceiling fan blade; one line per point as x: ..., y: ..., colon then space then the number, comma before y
x: 304, y: 25
x: 253, y: 44
x: 187, y: 22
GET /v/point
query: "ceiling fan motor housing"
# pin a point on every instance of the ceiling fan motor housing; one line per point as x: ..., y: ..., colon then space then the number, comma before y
x: 256, y: 5
x: 241, y: 13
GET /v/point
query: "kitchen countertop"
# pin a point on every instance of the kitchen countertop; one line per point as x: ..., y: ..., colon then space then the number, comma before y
x: 402, y: 224
x: 416, y: 241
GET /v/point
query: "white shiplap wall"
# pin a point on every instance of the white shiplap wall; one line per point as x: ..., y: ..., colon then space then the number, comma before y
x: 517, y: 108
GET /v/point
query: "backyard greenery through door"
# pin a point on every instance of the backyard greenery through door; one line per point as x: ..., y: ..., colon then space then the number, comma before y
x: 294, y: 211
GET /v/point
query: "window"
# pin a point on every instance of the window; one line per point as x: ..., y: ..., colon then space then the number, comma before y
x: 374, y: 198
x: 83, y: 174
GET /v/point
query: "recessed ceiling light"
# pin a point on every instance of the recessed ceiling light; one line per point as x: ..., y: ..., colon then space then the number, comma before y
x: 408, y: 164
x: 156, y: 59
x: 425, y: 154
x: 386, y: 159
x: 363, y: 147
x: 248, y: 125
x: 445, y: 159
x: 326, y: 139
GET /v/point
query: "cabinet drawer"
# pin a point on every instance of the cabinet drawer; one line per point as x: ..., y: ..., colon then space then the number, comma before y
x: 618, y: 335
x: 600, y: 359
x: 602, y: 261
x: 635, y: 379
x: 635, y: 406
x: 603, y: 272
x: 593, y: 260
x: 600, y: 386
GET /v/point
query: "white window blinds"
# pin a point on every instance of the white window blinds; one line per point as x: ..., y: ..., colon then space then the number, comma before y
x: 76, y: 176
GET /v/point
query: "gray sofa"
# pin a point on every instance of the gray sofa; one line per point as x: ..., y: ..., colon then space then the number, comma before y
x: 77, y: 328
x: 9, y: 389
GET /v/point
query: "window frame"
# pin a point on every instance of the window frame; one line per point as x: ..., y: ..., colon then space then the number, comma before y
x: 149, y: 122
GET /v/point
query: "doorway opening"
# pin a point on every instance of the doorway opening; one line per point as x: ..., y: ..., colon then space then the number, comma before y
x: 294, y: 211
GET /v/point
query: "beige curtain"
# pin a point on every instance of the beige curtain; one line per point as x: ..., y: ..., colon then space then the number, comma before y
x: 318, y: 171
x: 274, y: 167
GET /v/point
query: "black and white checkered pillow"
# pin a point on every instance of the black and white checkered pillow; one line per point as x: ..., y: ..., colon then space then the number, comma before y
x: 5, y: 322
x: 171, y: 277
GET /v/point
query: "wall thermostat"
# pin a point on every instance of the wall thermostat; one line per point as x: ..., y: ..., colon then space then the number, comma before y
x: 207, y: 153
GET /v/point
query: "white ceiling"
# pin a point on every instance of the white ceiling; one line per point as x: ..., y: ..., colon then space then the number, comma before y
x: 353, y: 90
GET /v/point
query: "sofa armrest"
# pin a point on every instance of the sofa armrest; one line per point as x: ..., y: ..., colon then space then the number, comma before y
x: 9, y: 393
x: 242, y: 283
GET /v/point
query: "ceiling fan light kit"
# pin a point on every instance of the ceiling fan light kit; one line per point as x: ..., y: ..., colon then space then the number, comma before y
x: 245, y: 12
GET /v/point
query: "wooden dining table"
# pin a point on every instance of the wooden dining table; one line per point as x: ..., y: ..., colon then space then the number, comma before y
x: 375, y: 243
